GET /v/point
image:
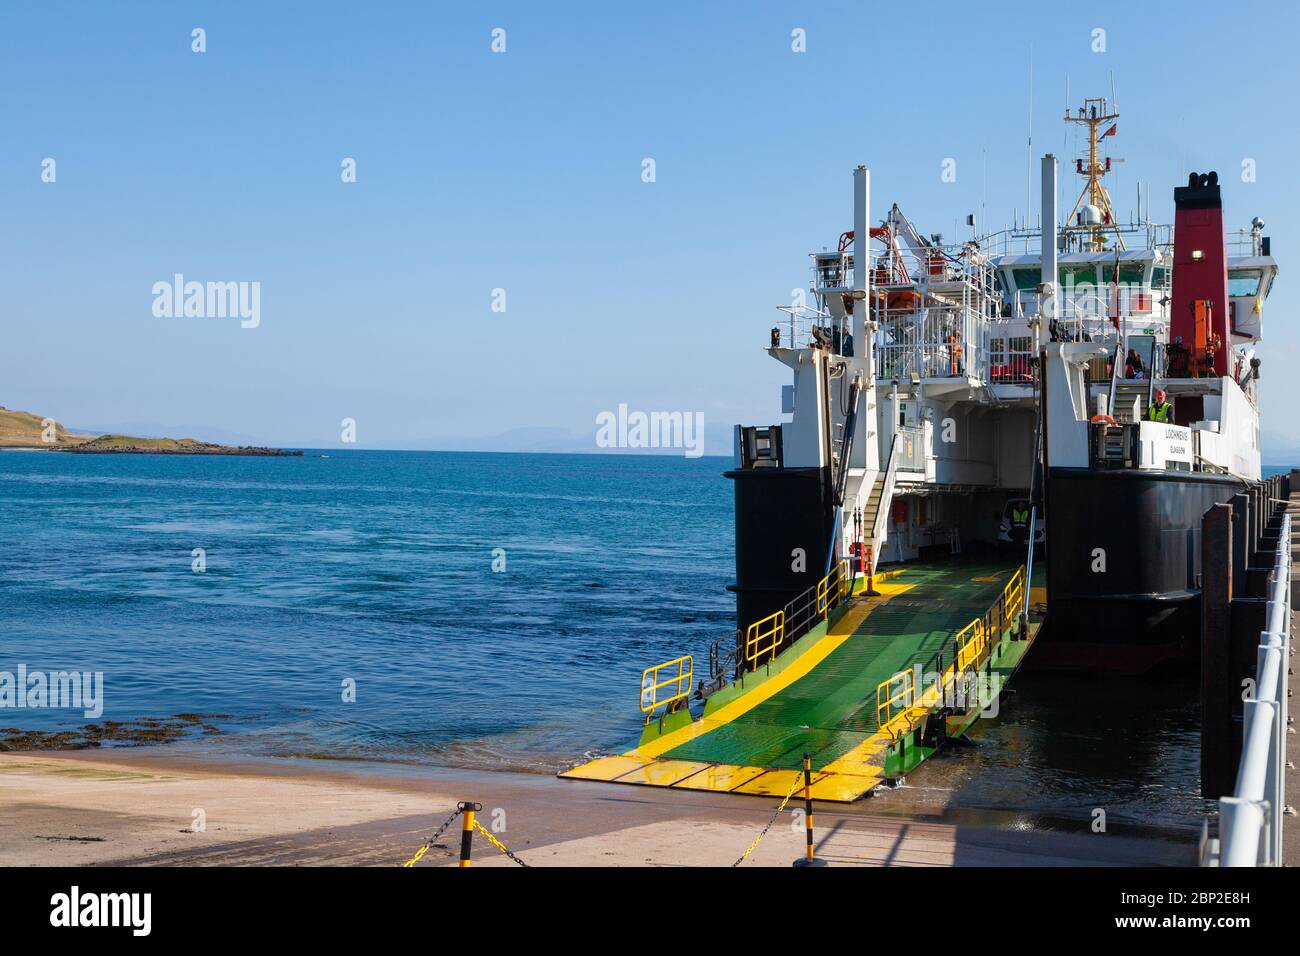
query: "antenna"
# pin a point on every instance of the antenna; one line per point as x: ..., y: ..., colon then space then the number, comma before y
x: 1065, y: 147
x: 1029, y: 148
x: 1094, y: 199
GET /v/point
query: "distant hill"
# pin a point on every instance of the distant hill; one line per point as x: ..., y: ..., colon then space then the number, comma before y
x: 25, y: 430
x: 147, y: 429
x: 125, y: 444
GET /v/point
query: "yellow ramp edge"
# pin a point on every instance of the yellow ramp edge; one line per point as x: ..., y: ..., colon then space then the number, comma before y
x: 776, y: 783
x: 843, y: 787
x: 663, y: 773
x: 728, y: 778
x: 720, y: 778
x: 605, y: 768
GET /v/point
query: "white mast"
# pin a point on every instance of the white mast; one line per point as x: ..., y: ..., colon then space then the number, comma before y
x: 1048, y: 300
x: 863, y: 334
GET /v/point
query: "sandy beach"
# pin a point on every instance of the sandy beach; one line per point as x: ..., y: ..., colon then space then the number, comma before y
x: 139, y: 807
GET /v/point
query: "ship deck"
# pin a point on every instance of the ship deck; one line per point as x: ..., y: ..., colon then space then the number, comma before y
x: 819, y: 696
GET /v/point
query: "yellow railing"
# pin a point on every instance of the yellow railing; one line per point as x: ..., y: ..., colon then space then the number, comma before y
x: 888, y: 695
x: 680, y: 682
x: 764, y: 637
x: 974, y: 643
x: 1013, y: 595
x: 971, y: 642
x: 838, y: 581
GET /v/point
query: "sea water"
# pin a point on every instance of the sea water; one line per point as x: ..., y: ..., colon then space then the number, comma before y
x: 491, y: 610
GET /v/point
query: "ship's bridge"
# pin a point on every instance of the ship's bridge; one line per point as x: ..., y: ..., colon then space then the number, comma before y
x: 1089, y: 284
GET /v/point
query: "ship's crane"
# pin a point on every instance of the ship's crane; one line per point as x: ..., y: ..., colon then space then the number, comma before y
x: 895, y: 227
x: 921, y: 247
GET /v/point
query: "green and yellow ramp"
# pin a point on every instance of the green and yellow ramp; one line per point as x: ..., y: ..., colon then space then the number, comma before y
x: 845, y: 692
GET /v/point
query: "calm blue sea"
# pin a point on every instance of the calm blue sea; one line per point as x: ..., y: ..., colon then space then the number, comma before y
x: 371, y: 566
x: 376, y: 567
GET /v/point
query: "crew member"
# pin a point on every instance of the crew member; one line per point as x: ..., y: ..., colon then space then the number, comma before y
x: 954, y: 354
x: 1133, y: 367
x: 1019, y: 521
x: 841, y: 341
x: 1160, y: 410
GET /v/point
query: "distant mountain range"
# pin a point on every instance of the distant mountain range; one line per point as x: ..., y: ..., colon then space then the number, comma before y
x: 20, y: 429
x: 23, y: 428
x: 1279, y: 449
x: 718, y: 441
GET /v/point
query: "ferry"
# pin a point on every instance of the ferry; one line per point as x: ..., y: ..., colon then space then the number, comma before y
x: 977, y: 472
x: 948, y: 399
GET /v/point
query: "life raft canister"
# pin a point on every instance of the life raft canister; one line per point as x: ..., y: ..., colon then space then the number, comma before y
x: 858, y: 549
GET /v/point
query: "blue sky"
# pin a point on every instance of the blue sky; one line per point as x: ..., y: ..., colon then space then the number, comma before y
x: 522, y: 171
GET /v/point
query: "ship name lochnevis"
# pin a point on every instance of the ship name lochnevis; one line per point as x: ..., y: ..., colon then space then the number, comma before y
x: 76, y: 690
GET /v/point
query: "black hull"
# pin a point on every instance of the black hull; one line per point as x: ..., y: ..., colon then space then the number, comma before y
x: 778, y: 510
x: 1123, y: 567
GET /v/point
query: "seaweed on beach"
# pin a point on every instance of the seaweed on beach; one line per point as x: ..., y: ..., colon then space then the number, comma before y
x: 140, y: 732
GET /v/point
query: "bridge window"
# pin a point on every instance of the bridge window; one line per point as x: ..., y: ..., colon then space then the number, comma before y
x: 1130, y: 273
x: 1244, y: 282
x: 1027, y: 279
x: 1085, y: 274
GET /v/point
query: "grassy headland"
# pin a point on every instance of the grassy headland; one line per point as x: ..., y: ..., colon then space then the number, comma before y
x: 26, y: 430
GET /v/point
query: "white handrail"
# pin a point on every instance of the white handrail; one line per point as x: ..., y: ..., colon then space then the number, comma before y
x: 882, y: 510
x: 1250, y: 821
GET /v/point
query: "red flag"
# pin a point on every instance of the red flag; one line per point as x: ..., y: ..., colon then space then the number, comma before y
x: 1109, y: 132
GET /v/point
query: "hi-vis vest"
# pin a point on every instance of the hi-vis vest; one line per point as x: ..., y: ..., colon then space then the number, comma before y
x: 1159, y: 413
x: 1019, y: 517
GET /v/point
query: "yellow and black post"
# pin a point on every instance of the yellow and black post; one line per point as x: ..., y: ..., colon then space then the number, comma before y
x: 871, y: 571
x: 810, y: 858
x: 467, y: 811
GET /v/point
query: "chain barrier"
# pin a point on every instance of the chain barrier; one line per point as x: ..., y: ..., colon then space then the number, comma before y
x: 498, y: 844
x: 798, y: 785
x: 429, y: 842
x: 491, y: 838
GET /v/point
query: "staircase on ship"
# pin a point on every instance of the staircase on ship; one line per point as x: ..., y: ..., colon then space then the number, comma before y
x: 871, y: 511
x: 1127, y: 402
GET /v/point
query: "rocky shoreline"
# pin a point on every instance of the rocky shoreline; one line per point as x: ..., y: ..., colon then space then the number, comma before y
x: 122, y: 445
